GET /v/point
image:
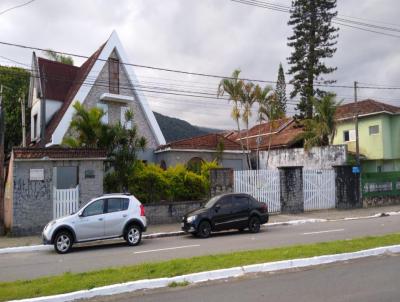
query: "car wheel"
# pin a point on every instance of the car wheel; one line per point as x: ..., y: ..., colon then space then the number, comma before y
x: 241, y: 230
x: 133, y: 235
x: 254, y: 224
x: 204, y: 229
x: 63, y: 242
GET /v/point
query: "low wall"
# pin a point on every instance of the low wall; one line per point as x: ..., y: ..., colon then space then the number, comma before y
x: 169, y: 212
x: 376, y: 201
x: 315, y: 158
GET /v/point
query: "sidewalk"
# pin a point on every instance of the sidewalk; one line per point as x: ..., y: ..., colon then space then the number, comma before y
x: 332, y: 214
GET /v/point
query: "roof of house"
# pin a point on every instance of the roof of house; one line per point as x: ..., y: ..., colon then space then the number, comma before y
x: 365, y: 107
x: 63, y: 83
x: 58, y: 153
x: 203, y: 142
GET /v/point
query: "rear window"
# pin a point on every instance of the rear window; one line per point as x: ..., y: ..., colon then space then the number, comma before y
x: 117, y: 204
x: 241, y: 201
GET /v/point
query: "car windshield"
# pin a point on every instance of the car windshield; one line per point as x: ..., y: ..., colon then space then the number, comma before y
x: 211, y: 202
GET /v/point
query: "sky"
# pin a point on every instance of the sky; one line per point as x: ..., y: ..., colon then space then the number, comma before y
x: 203, y: 36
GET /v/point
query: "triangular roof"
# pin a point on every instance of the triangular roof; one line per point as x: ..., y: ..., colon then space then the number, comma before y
x: 75, y: 83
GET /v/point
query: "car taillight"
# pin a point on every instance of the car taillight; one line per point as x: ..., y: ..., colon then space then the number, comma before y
x: 142, y: 213
x: 264, y: 207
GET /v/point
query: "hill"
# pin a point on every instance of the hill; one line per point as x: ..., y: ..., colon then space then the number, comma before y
x: 175, y: 129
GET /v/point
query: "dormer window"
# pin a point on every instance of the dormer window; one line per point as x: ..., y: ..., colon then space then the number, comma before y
x: 113, y: 70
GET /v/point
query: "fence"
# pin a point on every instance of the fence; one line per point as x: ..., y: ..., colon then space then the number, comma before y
x: 380, y: 184
x: 65, y: 201
x: 262, y: 185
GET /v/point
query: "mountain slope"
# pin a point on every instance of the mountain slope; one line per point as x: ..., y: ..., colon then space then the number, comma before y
x: 175, y: 129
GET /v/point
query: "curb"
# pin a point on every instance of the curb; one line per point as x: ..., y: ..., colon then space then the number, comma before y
x: 215, y: 275
x: 35, y: 248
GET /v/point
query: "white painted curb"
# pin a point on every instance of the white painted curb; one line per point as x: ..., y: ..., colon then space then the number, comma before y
x: 34, y: 248
x: 214, y: 275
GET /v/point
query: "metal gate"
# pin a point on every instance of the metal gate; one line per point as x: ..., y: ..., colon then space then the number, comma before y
x: 263, y: 185
x: 65, y: 201
x: 319, y: 189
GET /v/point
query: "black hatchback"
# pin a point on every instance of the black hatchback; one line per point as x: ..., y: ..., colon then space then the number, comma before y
x: 224, y: 212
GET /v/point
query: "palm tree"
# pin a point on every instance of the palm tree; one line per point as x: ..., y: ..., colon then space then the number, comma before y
x: 248, y: 97
x: 269, y: 109
x: 233, y: 87
x: 321, y: 129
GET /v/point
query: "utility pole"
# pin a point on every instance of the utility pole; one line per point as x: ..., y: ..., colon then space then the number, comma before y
x: 22, y: 102
x: 356, y: 125
x: 2, y: 133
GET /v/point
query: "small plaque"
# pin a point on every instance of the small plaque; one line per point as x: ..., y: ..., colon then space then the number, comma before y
x: 89, y: 174
x: 36, y: 174
x: 356, y: 170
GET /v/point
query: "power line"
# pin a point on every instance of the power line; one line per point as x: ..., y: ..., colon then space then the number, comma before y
x: 15, y: 7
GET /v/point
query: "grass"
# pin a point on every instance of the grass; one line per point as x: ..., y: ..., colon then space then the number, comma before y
x: 178, y: 284
x: 69, y: 282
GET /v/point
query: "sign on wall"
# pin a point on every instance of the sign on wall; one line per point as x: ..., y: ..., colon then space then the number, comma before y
x: 36, y: 174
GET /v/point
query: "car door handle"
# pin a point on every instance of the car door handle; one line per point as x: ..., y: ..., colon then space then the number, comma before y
x: 100, y: 219
x: 124, y: 215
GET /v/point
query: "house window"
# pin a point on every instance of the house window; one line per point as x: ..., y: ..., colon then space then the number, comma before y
x: 104, y: 107
x: 67, y: 177
x: 349, y: 135
x: 35, y: 126
x: 124, y: 122
x: 373, y: 129
x: 113, y: 70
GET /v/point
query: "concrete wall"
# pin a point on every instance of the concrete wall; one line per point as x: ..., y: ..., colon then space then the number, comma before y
x: 291, y: 189
x: 316, y: 158
x: 347, y: 188
x: 164, y: 212
x: 234, y: 161
x: 30, y: 206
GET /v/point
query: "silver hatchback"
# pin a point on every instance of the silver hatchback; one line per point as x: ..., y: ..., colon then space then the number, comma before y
x: 105, y: 217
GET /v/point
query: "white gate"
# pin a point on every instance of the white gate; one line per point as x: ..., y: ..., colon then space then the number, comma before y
x: 65, y: 201
x: 263, y: 185
x: 319, y: 189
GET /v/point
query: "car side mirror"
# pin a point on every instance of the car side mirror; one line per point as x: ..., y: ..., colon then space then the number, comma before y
x: 80, y: 214
x: 217, y: 207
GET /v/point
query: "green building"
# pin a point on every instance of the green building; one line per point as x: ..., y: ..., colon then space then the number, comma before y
x: 379, y: 134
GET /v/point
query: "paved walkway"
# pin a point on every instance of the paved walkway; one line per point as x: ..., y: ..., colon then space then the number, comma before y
x: 323, y: 214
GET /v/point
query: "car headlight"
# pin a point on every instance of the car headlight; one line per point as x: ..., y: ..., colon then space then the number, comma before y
x: 190, y: 219
x: 50, y: 224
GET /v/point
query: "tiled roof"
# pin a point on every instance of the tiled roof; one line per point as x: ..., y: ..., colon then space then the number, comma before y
x: 64, y: 90
x: 58, y: 153
x: 364, y: 107
x: 203, y: 142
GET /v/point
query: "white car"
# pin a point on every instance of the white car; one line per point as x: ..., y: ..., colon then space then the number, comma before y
x: 105, y: 217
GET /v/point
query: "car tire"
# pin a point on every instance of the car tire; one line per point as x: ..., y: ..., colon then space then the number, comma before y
x: 254, y: 224
x: 133, y: 235
x: 63, y: 242
x: 241, y: 230
x: 204, y: 229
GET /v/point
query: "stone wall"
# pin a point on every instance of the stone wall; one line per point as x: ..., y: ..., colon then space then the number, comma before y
x: 316, y: 158
x: 221, y: 181
x: 165, y: 212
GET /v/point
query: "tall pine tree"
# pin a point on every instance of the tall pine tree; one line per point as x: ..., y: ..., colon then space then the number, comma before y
x: 280, y: 89
x: 313, y: 41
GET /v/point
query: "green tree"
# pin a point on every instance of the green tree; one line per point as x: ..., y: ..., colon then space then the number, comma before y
x: 321, y: 129
x: 16, y: 85
x: 280, y: 89
x: 233, y: 87
x: 269, y: 109
x: 313, y: 42
x: 52, y: 55
x: 248, y: 97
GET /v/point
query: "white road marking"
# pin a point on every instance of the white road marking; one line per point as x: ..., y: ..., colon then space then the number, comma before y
x: 321, y: 232
x: 168, y: 248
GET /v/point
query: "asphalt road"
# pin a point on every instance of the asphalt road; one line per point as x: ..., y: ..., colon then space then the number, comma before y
x: 374, y: 279
x: 87, y: 258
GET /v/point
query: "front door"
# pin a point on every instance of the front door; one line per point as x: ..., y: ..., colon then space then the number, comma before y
x: 91, y: 223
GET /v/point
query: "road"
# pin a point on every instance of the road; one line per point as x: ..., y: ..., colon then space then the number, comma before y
x: 368, y: 280
x: 88, y: 258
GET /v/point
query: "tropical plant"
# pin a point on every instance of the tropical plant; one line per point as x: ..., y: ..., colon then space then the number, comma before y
x: 321, y: 129
x: 313, y: 42
x: 269, y: 109
x: 55, y: 56
x: 233, y: 87
x: 280, y: 89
